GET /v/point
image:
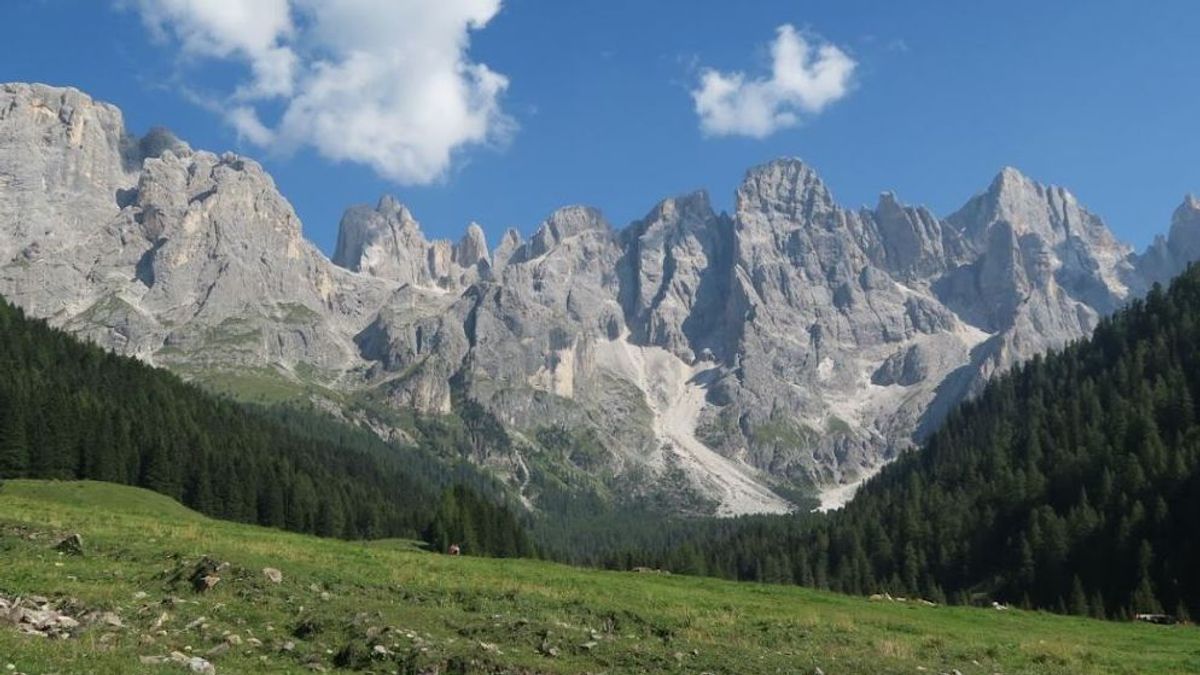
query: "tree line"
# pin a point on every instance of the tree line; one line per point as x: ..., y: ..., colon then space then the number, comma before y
x: 70, y: 410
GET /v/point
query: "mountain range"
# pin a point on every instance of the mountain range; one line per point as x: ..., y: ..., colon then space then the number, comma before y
x: 726, y: 363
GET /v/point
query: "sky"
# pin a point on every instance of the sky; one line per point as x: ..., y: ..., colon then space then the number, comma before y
x: 500, y: 111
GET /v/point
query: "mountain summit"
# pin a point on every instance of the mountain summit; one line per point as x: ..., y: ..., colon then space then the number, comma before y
x: 710, y: 362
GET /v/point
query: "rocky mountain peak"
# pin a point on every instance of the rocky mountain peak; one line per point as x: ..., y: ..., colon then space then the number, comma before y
x: 1022, y: 206
x: 572, y: 220
x: 384, y: 241
x: 1188, y: 213
x: 398, y: 214
x: 888, y: 203
x: 1184, y: 236
x: 693, y: 206
x: 788, y: 186
x: 510, y: 242
x: 913, y: 243
x: 472, y: 249
x: 565, y: 223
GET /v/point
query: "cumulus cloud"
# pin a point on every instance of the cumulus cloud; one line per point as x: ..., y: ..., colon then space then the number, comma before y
x: 387, y: 83
x: 807, y: 74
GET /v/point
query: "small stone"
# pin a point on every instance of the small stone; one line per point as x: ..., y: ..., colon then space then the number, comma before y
x: 254, y: 642
x: 110, y: 619
x: 589, y: 645
x: 72, y: 545
x: 325, y: 595
x: 273, y: 575
x: 233, y: 639
x: 196, y: 624
x: 288, y: 646
x: 140, y: 595
x: 379, y: 650
x: 218, y: 650
x: 199, y: 665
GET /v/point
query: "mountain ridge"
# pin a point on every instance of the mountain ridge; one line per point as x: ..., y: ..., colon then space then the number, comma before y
x: 801, y: 343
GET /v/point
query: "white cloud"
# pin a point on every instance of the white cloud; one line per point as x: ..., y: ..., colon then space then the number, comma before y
x: 250, y: 30
x: 387, y: 83
x: 807, y: 75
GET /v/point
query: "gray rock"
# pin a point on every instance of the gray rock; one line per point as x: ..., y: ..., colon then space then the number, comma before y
x: 709, y: 356
x: 71, y: 545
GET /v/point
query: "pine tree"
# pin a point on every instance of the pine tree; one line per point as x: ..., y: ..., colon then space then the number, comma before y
x: 1078, y: 603
x: 14, y: 448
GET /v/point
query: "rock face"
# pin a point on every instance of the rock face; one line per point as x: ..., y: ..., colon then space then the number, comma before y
x: 701, y: 358
x: 182, y: 258
x: 1169, y: 256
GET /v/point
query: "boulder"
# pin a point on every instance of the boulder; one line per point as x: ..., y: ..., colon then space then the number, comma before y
x: 72, y: 545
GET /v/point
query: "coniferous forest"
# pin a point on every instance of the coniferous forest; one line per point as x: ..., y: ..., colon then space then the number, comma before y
x: 70, y: 410
x: 1070, y: 484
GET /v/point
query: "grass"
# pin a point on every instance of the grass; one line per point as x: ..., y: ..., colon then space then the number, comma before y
x: 338, y: 600
x: 253, y: 385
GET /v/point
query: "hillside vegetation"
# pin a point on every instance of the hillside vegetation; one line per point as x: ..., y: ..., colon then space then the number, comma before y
x: 384, y: 607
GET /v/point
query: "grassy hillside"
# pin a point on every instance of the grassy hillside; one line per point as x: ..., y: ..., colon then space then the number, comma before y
x: 339, y: 600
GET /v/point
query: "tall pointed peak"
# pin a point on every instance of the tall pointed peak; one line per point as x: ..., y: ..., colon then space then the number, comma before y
x: 389, y: 204
x: 1010, y: 183
x: 693, y: 205
x: 1011, y: 174
x: 472, y: 248
x: 571, y: 220
x: 564, y: 223
x: 783, y: 184
x: 1184, y: 235
x: 789, y: 169
x: 396, y: 213
x: 888, y: 202
x: 511, y: 236
x: 1188, y: 211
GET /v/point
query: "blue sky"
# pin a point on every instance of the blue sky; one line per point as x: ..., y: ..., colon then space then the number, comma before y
x: 591, y: 101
